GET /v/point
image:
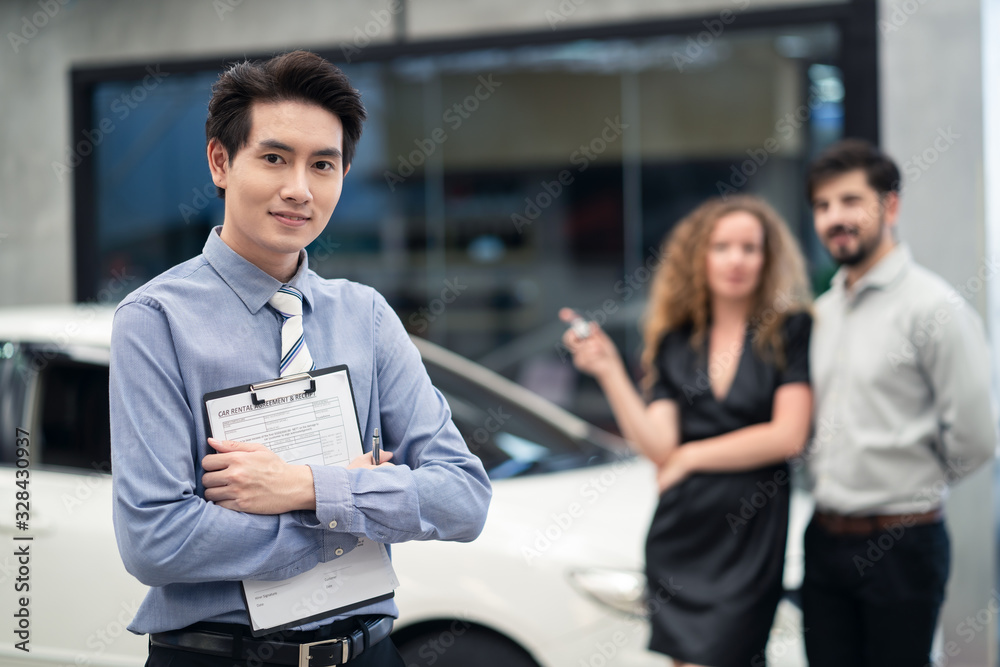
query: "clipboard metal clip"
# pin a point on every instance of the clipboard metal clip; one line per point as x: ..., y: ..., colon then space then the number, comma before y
x: 298, y: 377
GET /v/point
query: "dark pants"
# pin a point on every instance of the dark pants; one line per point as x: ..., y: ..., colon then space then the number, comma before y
x: 382, y: 654
x: 873, y: 600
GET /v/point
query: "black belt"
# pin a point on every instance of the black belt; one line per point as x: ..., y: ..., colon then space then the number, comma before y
x: 226, y: 643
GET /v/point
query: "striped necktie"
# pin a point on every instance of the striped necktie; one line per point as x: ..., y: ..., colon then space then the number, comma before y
x: 295, y: 357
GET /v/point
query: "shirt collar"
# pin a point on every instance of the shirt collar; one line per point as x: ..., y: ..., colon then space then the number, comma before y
x: 883, y: 274
x: 251, y: 284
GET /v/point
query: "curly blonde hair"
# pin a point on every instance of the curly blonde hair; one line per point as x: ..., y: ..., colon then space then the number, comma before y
x: 680, y: 296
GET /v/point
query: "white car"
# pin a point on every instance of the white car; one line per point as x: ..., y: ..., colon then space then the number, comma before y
x: 554, y: 580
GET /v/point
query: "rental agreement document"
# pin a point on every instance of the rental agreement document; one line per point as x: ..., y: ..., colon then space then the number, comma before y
x: 306, y: 419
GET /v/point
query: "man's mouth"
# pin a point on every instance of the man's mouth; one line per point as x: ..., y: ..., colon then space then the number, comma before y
x: 841, y: 234
x: 289, y: 218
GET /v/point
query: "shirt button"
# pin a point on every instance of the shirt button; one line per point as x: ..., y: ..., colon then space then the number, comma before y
x: 333, y: 524
x: 339, y: 551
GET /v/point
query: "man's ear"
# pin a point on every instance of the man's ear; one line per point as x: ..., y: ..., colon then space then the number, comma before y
x: 347, y: 169
x: 890, y: 207
x: 218, y: 162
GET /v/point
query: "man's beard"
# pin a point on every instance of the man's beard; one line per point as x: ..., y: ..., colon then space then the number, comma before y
x: 865, y: 246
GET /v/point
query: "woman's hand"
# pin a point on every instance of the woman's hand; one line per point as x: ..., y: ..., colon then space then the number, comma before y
x: 673, y: 471
x: 596, y: 354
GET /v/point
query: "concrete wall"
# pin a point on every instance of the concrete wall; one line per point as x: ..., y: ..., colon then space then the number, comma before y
x: 36, y: 241
x: 932, y: 124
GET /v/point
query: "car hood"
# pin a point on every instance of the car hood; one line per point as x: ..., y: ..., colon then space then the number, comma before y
x: 596, y: 516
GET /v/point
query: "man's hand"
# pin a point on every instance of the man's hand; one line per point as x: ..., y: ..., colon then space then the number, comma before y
x: 248, y: 477
x: 367, y: 461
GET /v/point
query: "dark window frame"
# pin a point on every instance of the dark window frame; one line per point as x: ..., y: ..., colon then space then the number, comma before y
x: 856, y: 20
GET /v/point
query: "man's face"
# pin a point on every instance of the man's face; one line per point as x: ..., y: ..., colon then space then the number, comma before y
x: 850, y: 219
x: 282, y: 186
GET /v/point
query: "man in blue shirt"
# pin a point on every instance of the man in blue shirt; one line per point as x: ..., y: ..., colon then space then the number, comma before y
x: 193, y: 520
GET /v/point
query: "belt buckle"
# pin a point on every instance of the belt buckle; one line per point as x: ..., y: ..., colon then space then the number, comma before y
x: 304, y: 656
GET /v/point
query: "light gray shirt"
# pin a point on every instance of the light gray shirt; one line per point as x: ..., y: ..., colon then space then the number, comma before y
x: 901, y: 375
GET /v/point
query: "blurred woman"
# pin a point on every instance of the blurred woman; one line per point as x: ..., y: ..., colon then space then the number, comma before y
x: 726, y: 374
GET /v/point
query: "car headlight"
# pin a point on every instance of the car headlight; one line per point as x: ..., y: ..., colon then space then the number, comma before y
x: 622, y: 590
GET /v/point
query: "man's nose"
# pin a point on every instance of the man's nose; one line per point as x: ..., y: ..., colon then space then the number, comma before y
x: 296, y: 186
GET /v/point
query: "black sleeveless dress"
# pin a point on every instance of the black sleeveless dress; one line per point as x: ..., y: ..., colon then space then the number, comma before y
x: 716, y: 547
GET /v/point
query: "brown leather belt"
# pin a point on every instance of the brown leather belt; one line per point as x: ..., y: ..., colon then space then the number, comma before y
x: 840, y: 524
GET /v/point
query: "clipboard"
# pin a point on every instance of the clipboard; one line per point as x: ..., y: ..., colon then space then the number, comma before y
x: 304, y: 418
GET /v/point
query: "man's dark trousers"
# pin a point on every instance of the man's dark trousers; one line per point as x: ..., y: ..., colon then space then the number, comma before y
x: 873, y: 600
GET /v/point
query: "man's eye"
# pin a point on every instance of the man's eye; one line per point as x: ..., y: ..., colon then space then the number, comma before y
x: 324, y: 165
x: 272, y: 158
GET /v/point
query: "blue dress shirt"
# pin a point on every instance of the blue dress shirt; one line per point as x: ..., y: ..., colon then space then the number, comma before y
x: 205, y: 325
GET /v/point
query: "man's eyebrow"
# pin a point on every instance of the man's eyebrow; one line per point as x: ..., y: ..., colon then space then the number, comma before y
x: 277, y: 145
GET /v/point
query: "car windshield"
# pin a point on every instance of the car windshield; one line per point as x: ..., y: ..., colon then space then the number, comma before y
x: 510, y: 439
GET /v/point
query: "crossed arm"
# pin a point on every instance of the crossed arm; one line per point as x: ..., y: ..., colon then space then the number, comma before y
x: 654, y: 429
x: 249, y: 477
x: 258, y: 517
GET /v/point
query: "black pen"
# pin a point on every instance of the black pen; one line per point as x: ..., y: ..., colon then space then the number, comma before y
x: 376, y: 447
